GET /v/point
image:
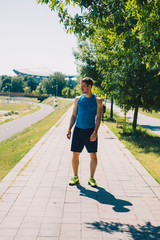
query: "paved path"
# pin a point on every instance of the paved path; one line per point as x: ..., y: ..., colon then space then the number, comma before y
x: 9, y: 129
x: 38, y: 204
x: 147, y: 122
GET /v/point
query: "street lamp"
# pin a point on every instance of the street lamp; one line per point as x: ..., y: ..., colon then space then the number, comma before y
x: 8, y: 88
x: 52, y: 91
x: 56, y: 90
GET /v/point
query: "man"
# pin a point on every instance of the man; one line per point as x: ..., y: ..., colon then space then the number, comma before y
x: 87, y: 113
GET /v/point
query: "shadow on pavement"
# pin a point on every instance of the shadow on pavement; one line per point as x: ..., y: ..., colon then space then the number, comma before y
x: 137, y: 232
x: 104, y: 197
x: 109, y: 138
x: 152, y: 128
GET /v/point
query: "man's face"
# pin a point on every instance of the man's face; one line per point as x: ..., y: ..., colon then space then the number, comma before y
x: 84, y: 87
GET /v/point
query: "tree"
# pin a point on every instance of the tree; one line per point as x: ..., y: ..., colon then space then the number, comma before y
x: 77, y: 90
x: 40, y: 89
x: 147, y: 14
x: 30, y: 82
x: 87, y: 62
x: 52, y: 85
x: 0, y: 83
x: 6, y: 83
x: 125, y: 35
x: 107, y: 61
x: 127, y: 77
x: 17, y: 84
x: 60, y: 82
x: 48, y: 86
x: 66, y: 92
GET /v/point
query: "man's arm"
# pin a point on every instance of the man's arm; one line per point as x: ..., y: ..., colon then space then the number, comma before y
x: 73, y: 117
x: 93, y: 137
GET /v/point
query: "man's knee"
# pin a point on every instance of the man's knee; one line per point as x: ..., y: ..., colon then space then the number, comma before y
x: 76, y: 155
x: 93, y: 156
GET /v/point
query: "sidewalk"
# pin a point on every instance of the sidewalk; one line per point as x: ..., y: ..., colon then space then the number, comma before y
x: 38, y: 204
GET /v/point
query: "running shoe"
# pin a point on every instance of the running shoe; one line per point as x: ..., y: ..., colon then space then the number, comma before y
x: 74, y: 181
x: 92, y: 182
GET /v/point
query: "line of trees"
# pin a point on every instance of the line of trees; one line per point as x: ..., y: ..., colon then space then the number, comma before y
x: 18, y: 84
x: 119, y: 46
x: 54, y: 85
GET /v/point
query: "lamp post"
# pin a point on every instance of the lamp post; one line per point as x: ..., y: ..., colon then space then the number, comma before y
x: 52, y: 90
x: 8, y: 88
x: 56, y: 90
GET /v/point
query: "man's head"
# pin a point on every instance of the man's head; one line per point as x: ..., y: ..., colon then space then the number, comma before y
x: 86, y: 84
x: 88, y: 81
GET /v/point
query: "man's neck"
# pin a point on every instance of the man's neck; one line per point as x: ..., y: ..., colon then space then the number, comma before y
x: 88, y: 95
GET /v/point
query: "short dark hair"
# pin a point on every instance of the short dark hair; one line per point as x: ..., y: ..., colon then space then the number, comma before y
x: 88, y: 81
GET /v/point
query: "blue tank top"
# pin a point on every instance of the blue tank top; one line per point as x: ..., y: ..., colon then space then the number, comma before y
x: 87, y: 110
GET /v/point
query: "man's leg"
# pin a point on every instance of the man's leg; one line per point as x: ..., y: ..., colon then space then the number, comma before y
x: 75, y: 163
x: 93, y: 164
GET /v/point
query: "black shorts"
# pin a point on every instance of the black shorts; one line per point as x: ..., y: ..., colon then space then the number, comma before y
x: 81, y: 138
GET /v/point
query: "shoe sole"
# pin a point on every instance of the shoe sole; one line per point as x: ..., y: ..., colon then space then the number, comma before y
x: 92, y: 185
x: 76, y: 183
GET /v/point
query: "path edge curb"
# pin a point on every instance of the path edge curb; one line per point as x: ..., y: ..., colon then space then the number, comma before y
x: 7, y: 180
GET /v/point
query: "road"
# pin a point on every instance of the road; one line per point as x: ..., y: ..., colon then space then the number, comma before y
x: 147, y: 122
x: 9, y: 129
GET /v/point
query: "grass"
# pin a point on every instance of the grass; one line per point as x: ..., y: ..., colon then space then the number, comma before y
x: 149, y: 114
x: 49, y: 101
x: 14, y: 149
x: 15, y: 106
x: 22, y: 109
x: 142, y: 143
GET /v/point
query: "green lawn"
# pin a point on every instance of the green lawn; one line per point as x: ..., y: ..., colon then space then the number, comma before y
x: 143, y: 144
x: 13, y: 149
x: 23, y: 109
x: 149, y: 114
x: 15, y: 106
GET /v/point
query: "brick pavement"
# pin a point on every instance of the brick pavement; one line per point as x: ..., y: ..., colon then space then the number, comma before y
x: 38, y: 204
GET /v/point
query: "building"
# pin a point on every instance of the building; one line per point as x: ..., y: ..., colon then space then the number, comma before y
x: 37, y: 73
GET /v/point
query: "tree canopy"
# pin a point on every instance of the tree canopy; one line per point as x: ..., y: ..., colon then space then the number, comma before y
x: 122, y: 48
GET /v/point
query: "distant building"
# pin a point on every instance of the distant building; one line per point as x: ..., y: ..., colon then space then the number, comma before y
x: 71, y: 80
x: 37, y: 73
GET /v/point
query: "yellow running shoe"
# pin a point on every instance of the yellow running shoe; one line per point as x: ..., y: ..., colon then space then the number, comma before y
x: 92, y: 182
x: 74, y: 181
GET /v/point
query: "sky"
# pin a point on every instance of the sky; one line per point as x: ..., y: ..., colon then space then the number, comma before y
x: 32, y: 37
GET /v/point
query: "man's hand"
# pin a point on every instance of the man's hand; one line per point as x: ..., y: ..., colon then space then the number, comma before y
x: 93, y: 137
x: 69, y: 134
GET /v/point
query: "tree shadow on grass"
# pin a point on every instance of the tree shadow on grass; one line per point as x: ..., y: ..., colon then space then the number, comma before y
x: 104, y: 197
x: 108, y: 119
x: 140, y: 137
x: 146, y: 142
x: 137, y: 232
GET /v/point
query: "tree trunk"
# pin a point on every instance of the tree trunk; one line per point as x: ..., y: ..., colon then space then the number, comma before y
x: 135, y: 118
x: 124, y: 122
x: 111, y: 112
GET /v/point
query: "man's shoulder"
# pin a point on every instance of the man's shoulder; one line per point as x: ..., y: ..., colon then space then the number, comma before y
x: 98, y: 99
x: 77, y: 98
